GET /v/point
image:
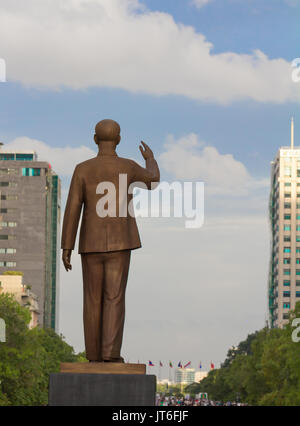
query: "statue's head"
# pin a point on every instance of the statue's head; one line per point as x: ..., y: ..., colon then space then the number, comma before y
x: 107, y: 131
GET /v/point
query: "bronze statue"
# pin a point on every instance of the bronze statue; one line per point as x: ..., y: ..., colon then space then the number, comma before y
x: 105, y: 242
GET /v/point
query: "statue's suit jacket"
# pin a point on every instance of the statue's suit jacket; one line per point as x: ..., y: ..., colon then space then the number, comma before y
x: 103, y: 234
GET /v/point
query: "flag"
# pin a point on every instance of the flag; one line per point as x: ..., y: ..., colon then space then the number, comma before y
x: 160, y: 364
x: 200, y: 365
x: 151, y: 364
x: 170, y: 364
x: 179, y: 364
x: 187, y: 365
x: 212, y: 365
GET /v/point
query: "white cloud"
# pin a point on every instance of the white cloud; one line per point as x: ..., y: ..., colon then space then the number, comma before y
x: 188, y: 159
x: 200, y: 3
x: 120, y: 44
x: 63, y: 160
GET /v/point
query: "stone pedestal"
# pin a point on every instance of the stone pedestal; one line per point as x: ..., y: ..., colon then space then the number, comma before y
x: 103, y: 384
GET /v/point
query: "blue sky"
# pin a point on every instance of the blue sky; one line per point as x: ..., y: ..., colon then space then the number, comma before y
x: 161, y: 81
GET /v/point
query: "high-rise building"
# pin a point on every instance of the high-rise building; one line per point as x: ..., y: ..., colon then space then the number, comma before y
x: 13, y: 284
x: 284, y: 211
x: 30, y: 195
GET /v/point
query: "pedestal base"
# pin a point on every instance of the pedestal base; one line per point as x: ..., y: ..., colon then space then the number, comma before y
x: 73, y: 389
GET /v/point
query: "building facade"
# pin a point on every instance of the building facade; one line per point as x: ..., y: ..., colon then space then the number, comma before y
x: 284, y: 212
x: 185, y: 375
x: 13, y: 284
x: 30, y: 226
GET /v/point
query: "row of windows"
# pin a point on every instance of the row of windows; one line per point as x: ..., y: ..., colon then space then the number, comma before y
x: 288, y: 217
x: 8, y: 237
x: 290, y: 184
x: 289, y: 228
x: 8, y: 250
x: 287, y: 283
x: 287, y: 239
x: 288, y: 272
x: 19, y: 157
x: 288, y: 250
x: 289, y: 205
x: 8, y: 210
x: 287, y: 261
x: 289, y: 194
x: 9, y: 184
x: 9, y: 197
x: 8, y: 264
x: 288, y: 294
x: 26, y: 171
x: 288, y: 172
x: 5, y: 172
x: 8, y: 224
x: 29, y: 171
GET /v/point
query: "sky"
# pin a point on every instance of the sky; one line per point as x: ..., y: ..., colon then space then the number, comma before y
x: 208, y: 85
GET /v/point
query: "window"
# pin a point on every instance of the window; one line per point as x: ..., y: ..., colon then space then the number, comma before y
x: 288, y: 216
x: 285, y: 316
x: 286, y: 238
x: 3, y: 237
x: 298, y: 261
x: 298, y: 172
x: 286, y: 294
x: 12, y: 197
x: 297, y: 249
x: 298, y: 228
x: 29, y: 171
x: 288, y: 205
x: 288, y: 171
x: 286, y: 272
x: 297, y: 238
x: 298, y: 216
x: 286, y: 283
x: 298, y: 206
x: 287, y: 184
x: 287, y: 195
x: 286, y: 261
x: 297, y: 293
x: 287, y: 227
x: 7, y: 156
x: 297, y: 283
x: 286, y: 306
x: 4, y: 184
x: 24, y: 157
x: 297, y: 271
x: 287, y: 250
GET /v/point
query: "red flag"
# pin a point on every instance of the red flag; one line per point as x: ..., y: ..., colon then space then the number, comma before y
x: 187, y: 365
x: 212, y: 365
x: 160, y: 364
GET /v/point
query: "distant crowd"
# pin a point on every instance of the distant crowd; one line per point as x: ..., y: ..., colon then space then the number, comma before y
x: 173, y: 402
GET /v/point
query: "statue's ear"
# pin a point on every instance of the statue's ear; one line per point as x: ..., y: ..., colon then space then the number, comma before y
x: 118, y: 140
x: 96, y: 139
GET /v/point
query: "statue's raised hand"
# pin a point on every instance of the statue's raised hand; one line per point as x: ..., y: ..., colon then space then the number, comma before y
x: 146, y: 151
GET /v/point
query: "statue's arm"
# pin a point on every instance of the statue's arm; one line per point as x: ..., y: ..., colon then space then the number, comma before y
x: 71, y: 218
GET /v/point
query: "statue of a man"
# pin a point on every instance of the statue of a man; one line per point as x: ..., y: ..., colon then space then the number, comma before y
x: 106, y: 240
